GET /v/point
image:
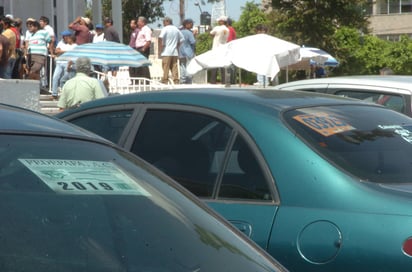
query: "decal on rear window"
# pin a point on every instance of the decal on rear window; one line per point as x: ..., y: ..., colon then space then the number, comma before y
x: 84, y: 177
x: 324, y: 123
x: 403, y: 131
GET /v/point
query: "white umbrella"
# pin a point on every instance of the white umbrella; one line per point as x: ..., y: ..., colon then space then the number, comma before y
x: 261, y: 53
x: 210, y: 59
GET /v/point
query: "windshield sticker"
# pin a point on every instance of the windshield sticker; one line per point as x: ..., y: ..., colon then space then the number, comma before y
x: 402, y: 131
x: 84, y: 177
x: 324, y: 123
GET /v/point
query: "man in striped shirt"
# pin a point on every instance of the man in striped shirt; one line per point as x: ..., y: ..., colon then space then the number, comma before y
x: 38, y: 49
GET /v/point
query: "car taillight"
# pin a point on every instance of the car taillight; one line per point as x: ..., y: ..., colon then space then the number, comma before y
x: 407, y: 246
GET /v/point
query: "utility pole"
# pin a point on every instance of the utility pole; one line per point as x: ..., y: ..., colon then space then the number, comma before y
x: 181, y: 11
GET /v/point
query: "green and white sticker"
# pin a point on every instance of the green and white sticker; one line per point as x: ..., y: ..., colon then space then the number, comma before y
x: 403, y: 131
x: 84, y: 177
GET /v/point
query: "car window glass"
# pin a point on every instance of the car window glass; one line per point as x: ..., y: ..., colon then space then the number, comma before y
x: 372, y: 143
x: 187, y: 146
x: 392, y: 101
x: 243, y: 177
x: 109, y: 125
x: 75, y: 205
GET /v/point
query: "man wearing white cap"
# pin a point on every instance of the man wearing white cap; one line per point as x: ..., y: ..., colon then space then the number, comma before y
x: 220, y: 34
x: 81, y: 30
x: 66, y: 44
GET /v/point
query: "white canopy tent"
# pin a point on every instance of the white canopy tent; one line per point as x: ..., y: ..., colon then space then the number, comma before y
x: 261, y: 53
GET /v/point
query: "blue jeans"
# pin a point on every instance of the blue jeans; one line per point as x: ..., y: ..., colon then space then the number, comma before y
x: 61, y: 68
x: 185, y: 78
x: 10, y: 66
x: 3, y: 71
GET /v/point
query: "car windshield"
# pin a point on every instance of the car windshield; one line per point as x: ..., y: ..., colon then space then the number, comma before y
x: 71, y: 205
x: 372, y: 143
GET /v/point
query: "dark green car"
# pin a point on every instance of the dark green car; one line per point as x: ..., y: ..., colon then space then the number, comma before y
x: 72, y: 201
x: 323, y: 183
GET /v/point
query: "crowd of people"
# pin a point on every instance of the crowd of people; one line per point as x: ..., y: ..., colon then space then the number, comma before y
x: 31, y: 54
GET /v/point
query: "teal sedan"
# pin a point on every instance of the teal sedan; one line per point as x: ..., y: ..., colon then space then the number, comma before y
x: 323, y: 183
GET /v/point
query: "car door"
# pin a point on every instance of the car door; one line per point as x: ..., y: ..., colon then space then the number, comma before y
x: 210, y: 155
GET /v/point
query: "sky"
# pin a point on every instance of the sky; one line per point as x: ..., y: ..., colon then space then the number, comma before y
x: 171, y: 9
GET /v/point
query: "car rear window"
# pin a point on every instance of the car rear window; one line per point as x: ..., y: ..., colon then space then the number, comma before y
x: 392, y: 101
x: 72, y: 205
x: 372, y: 143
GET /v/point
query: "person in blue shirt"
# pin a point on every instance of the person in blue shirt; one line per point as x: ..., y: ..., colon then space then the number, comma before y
x: 186, y: 50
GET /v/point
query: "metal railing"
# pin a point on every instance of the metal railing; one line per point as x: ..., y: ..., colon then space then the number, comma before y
x: 123, y: 84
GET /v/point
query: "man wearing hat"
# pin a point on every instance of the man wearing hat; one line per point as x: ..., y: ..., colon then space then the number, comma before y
x: 99, y: 35
x: 81, y: 30
x: 220, y: 34
x: 26, y: 38
x: 28, y: 33
x: 186, y: 50
x: 64, y: 45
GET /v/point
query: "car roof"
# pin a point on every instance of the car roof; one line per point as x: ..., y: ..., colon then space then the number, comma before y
x: 392, y: 81
x: 21, y: 121
x: 222, y: 98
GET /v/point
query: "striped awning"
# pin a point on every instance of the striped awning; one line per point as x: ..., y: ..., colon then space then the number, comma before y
x: 107, y: 53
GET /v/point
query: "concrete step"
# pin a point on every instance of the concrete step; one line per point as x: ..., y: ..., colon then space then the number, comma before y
x: 48, y: 105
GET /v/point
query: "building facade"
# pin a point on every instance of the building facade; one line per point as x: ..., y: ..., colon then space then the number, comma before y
x: 389, y: 19
x: 60, y: 12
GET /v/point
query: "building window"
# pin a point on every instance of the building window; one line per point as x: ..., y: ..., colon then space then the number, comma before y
x: 406, y: 6
x: 393, y: 6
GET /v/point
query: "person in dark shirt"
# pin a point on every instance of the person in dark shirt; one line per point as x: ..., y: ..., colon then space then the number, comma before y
x: 111, y: 34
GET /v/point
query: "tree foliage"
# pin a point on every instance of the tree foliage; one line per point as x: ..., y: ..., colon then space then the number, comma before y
x: 203, y: 43
x: 313, y: 22
x: 366, y: 54
x: 151, y: 9
x: 251, y: 16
